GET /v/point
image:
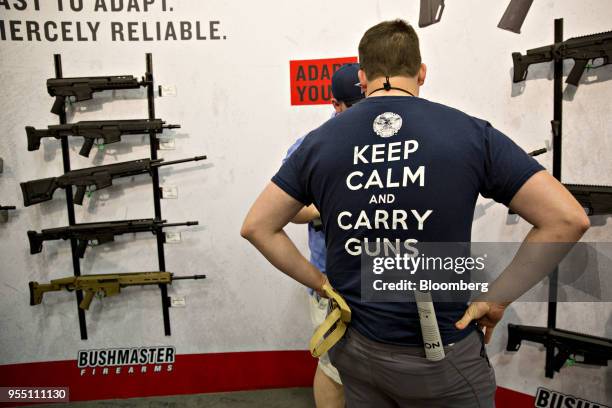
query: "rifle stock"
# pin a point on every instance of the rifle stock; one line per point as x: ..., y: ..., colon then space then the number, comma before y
x: 37, y: 290
x: 34, y: 137
x: 38, y: 191
x: 36, y: 243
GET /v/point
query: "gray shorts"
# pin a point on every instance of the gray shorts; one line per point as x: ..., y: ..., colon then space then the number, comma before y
x: 382, y: 375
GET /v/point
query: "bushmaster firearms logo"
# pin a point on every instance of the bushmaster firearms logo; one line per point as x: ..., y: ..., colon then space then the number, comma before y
x: 116, y: 361
x: 554, y: 399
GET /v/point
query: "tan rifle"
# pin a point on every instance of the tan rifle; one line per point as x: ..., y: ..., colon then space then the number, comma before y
x: 104, y: 285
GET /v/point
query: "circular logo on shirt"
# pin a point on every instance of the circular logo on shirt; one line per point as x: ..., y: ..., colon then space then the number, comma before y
x: 387, y: 124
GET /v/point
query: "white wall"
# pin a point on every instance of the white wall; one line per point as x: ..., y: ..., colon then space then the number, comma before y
x: 233, y: 104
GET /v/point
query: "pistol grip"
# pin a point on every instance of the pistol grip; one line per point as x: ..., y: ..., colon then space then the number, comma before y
x: 514, y: 340
x: 35, y: 295
x: 80, y: 193
x: 81, y: 247
x: 58, y: 105
x: 576, y: 73
x: 87, y: 298
x: 87, y: 145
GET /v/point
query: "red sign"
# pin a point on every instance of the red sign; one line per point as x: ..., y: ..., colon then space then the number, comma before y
x: 311, y: 79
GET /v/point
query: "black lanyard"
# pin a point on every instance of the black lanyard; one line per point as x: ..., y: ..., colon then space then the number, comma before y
x: 387, y: 87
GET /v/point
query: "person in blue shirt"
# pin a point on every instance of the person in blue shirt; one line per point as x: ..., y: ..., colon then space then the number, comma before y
x: 397, y: 169
x: 327, y: 385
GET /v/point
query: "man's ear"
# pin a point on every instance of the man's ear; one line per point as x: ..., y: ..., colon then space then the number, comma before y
x: 363, y: 80
x: 422, y: 74
x: 337, y: 105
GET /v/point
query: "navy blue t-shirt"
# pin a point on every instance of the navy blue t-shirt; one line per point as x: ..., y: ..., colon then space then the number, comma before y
x: 433, y: 159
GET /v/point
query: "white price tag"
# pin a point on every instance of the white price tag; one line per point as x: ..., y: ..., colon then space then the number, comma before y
x: 167, y: 90
x: 169, y: 192
x: 167, y: 143
x: 173, y: 237
x: 178, y: 301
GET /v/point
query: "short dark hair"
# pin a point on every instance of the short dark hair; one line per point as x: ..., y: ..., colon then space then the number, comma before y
x: 390, y: 48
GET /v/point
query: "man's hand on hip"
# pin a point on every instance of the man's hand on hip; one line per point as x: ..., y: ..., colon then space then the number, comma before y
x: 486, y: 314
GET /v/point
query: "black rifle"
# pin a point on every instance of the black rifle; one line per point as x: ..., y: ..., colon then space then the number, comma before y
x: 580, y: 49
x: 106, y: 131
x: 593, y: 350
x: 93, y: 178
x: 514, y: 16
x: 8, y: 207
x: 82, y: 88
x: 596, y: 200
x: 430, y: 12
x: 97, y: 233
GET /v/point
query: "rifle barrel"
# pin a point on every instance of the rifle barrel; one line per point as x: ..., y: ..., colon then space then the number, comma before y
x: 189, y: 277
x: 196, y: 158
x: 538, y: 152
x: 180, y: 224
x: 171, y: 126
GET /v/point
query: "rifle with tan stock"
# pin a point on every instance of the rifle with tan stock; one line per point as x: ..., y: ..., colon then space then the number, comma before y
x: 104, y: 284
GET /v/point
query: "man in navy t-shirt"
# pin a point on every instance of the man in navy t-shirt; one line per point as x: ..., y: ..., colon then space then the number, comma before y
x: 327, y: 385
x: 394, y: 170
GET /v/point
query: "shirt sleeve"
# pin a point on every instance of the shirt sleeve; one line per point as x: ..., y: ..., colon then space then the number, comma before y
x: 293, y: 176
x: 293, y: 148
x: 507, y: 167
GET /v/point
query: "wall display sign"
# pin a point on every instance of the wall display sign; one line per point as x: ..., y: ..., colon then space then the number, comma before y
x: 546, y: 398
x: 311, y: 79
x: 116, y: 361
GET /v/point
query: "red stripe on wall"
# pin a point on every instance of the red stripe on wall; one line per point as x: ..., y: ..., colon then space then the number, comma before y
x: 190, y: 374
x: 506, y: 398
